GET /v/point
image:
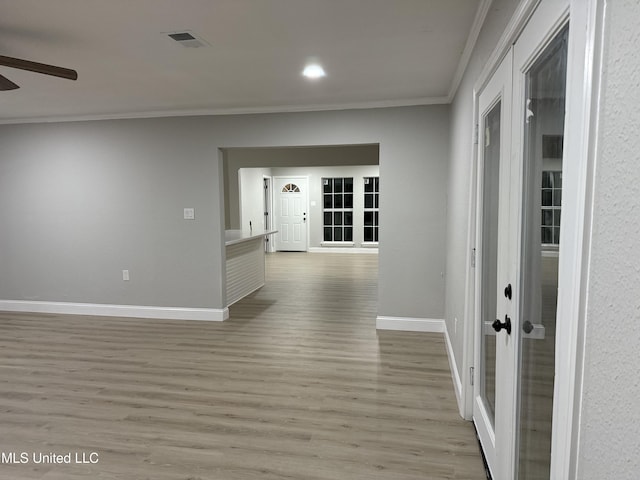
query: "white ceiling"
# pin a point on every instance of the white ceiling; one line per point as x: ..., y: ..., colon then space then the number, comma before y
x: 375, y: 52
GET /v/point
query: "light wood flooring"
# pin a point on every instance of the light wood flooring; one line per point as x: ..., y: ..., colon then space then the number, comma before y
x: 296, y: 385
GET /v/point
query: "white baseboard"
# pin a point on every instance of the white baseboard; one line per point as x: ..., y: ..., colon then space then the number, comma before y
x: 455, y: 376
x: 343, y: 250
x: 135, y: 311
x: 433, y: 325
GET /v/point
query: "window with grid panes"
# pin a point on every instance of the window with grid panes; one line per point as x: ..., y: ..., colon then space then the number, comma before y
x: 338, y: 209
x: 371, y: 199
x: 551, y: 206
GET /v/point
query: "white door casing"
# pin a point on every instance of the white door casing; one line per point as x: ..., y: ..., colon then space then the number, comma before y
x: 291, y: 210
x: 500, y: 441
x: 268, y: 212
x: 584, y: 79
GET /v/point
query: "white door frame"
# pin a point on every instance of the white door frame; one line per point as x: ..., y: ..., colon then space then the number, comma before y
x: 306, y: 193
x: 583, y: 86
x: 269, y: 241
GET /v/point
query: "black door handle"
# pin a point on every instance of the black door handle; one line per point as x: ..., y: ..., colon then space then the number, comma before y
x: 508, y: 291
x: 527, y: 326
x: 498, y: 325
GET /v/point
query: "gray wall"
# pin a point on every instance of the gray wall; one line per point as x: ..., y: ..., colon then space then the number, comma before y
x: 610, y: 422
x: 79, y: 202
x: 460, y: 167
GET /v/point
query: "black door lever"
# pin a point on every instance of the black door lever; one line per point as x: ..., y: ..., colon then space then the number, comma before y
x: 507, y: 291
x: 498, y: 325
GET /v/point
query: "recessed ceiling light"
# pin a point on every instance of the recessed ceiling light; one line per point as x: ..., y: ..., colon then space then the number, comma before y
x: 313, y: 71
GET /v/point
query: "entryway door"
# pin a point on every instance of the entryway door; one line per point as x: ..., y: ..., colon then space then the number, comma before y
x: 518, y: 218
x: 291, y: 194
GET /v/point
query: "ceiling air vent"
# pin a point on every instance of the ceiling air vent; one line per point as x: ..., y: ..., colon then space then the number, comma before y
x: 187, y: 39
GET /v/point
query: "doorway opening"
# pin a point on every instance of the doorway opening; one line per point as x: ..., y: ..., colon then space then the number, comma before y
x: 336, y: 208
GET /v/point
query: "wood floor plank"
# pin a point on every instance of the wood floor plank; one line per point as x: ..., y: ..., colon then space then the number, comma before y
x: 296, y: 385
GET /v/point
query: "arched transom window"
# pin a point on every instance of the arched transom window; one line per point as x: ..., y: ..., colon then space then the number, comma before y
x: 290, y: 188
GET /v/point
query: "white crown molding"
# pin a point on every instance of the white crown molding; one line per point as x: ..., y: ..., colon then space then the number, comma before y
x: 411, y: 102
x: 474, y: 33
x: 134, y: 311
x: 514, y: 27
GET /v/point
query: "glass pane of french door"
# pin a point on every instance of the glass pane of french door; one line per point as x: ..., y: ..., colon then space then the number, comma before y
x: 489, y: 260
x: 545, y: 92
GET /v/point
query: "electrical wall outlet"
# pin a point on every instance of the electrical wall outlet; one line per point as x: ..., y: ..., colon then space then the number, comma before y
x: 125, y: 275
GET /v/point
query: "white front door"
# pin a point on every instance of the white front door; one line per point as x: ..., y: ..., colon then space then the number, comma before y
x: 521, y: 125
x: 291, y: 213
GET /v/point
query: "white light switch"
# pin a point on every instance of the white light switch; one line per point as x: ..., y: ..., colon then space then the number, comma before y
x: 189, y: 213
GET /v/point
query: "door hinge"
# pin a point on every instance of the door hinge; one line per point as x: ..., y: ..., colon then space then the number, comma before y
x: 471, y: 375
x: 475, y: 135
x: 473, y: 258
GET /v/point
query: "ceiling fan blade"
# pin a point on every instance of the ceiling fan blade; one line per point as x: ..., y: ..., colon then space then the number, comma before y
x: 6, y: 84
x: 38, y: 67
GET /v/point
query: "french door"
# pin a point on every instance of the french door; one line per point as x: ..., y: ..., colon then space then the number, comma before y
x: 521, y: 125
x: 495, y: 354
